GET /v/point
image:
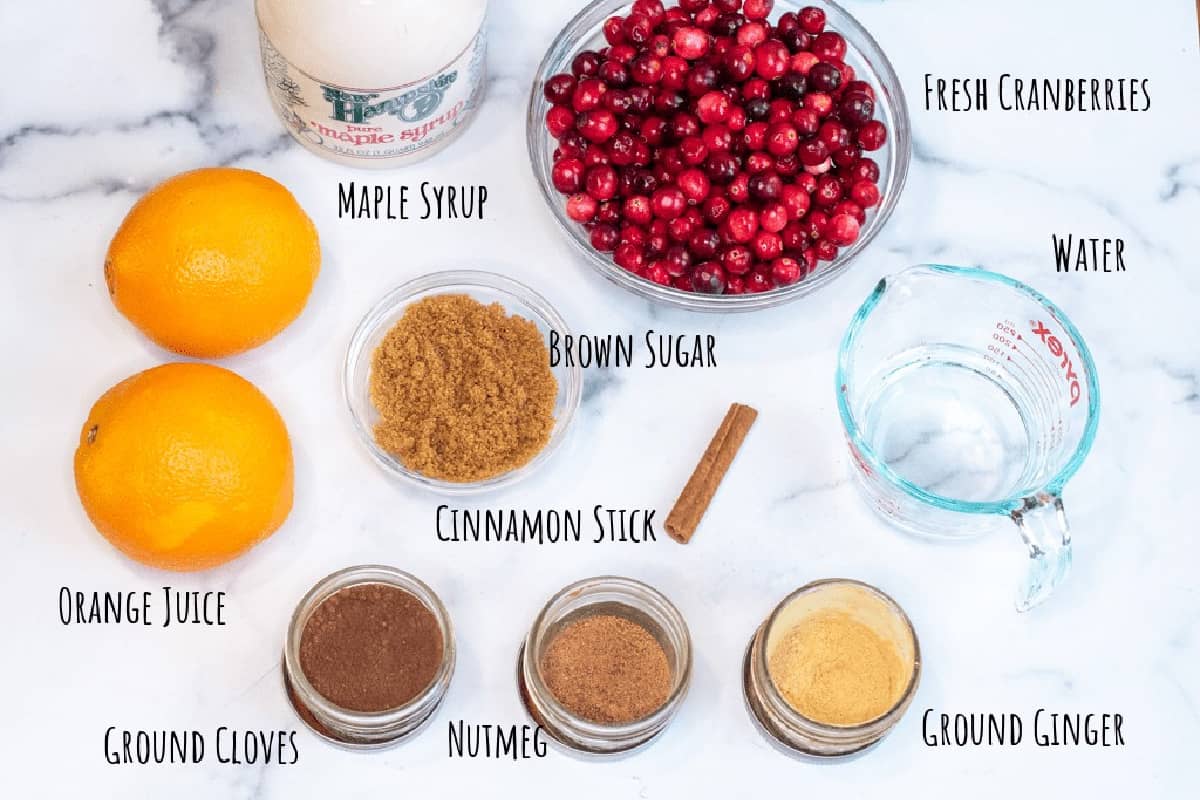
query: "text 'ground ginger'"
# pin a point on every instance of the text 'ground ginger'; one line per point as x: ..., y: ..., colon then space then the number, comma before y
x: 464, y: 391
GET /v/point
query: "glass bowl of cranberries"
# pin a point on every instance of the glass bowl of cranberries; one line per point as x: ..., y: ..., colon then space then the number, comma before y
x: 718, y: 155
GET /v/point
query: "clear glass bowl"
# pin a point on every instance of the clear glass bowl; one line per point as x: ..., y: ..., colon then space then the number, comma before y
x: 486, y: 287
x: 585, y: 32
x: 623, y: 597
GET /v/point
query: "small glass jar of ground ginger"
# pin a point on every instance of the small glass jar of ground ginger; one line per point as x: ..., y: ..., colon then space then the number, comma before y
x: 368, y: 657
x: 605, y: 666
x: 832, y: 670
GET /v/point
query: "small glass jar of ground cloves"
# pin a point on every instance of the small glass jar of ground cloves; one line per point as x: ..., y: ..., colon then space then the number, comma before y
x: 368, y: 657
x: 605, y: 666
x: 832, y: 669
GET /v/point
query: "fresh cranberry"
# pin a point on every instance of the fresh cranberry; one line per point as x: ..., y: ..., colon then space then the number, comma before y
x: 589, y: 94
x: 738, y: 189
x: 850, y: 208
x: 713, y: 108
x: 795, y: 237
x: 866, y: 170
x: 829, y: 191
x: 758, y: 109
x: 638, y: 210
x: 791, y: 87
x: 811, y: 19
x: 669, y: 202
x: 622, y: 53
x: 602, y: 182
x: 614, y: 30
x: 825, y: 250
x: 834, y: 135
x: 728, y: 24
x: 693, y: 150
x: 638, y: 29
x: 619, y: 102
x: 766, y: 186
x: 755, y: 136
x: 734, y: 284
x: 819, y: 102
x: 675, y: 73
x: 783, y: 139
x: 694, y: 184
x: 654, y: 130
x: 668, y: 101
x: 774, y: 217
x: 737, y: 119
x: 581, y: 207
x: 796, y: 39
x: 872, y: 135
x: 704, y: 243
x: 806, y: 121
x: 709, y: 278
x: 823, y: 77
x: 567, y: 175
x: 609, y: 212
x: 737, y: 260
x: 787, y: 22
x: 856, y: 108
x: 803, y: 62
x: 772, y: 59
x: 678, y: 261
x: 768, y: 246
x: 860, y: 87
x: 829, y: 46
x: 843, y: 229
x: 812, y: 152
x: 759, y: 162
x: 605, y: 238
x: 684, y: 125
x: 847, y: 156
x: 716, y: 208
x: 622, y: 150
x: 656, y: 272
x: 742, y: 224
x: 559, y: 120
x: 795, y: 200
x: 722, y: 168
x: 559, y: 89
x: 646, y: 69
x: 740, y: 62
x: 752, y: 33
x: 759, y: 281
x: 653, y: 9
x: 757, y: 9
x: 598, y: 125
x: 815, y: 224
x: 787, y: 166
x: 786, y: 271
x: 865, y: 193
x: 706, y: 18
x: 690, y: 43
x: 717, y: 138
x: 586, y: 64
x: 630, y: 256
x: 702, y: 77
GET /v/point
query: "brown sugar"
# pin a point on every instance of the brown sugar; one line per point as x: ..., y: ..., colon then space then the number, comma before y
x: 371, y: 647
x: 464, y: 391
x: 607, y: 669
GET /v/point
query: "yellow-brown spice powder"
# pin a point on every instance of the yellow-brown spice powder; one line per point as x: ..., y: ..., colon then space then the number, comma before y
x: 464, y: 390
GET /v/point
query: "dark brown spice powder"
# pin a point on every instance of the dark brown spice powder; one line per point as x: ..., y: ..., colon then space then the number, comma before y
x: 371, y: 647
x: 607, y: 669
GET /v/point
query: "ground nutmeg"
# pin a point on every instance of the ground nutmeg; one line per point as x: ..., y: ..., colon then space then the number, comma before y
x: 464, y: 390
x: 607, y: 669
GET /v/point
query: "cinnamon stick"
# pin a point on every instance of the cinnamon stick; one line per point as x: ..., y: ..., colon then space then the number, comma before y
x: 689, y: 509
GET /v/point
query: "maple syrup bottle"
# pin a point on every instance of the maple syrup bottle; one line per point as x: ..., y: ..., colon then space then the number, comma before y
x: 373, y: 83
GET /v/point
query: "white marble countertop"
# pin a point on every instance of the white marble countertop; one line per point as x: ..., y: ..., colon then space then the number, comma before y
x: 102, y: 100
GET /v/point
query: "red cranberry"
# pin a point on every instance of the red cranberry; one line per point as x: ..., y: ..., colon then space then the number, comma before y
x: 742, y: 224
x: 559, y: 120
x: 589, y: 94
x: 622, y: 53
x: 653, y: 9
x: 740, y: 62
x: 716, y: 208
x: 646, y: 70
x: 702, y: 77
x: 872, y: 135
x: 704, y: 243
x: 737, y: 260
x: 755, y: 135
x: 641, y: 99
x: 823, y: 77
x: 812, y: 152
x: 669, y: 202
x: 594, y: 156
x: 684, y: 125
x: 766, y: 186
x: 581, y: 207
x: 713, y: 108
x: 759, y: 162
x: 619, y: 102
x: 834, y: 135
x: 614, y: 30
x: 694, y: 184
x: 806, y: 182
x: 597, y: 126
x: 850, y: 208
x: 752, y: 33
x: 722, y: 168
x: 815, y: 224
x: 791, y: 86
x: 630, y: 256
x: 786, y: 271
x: 758, y: 281
x: 768, y: 246
x: 811, y: 19
x: 787, y: 22
x: 706, y: 18
x: 781, y: 111
x: 717, y: 138
x: 567, y: 175
x: 843, y: 229
x: 734, y: 284
x: 615, y: 74
x: 638, y: 210
x: 787, y: 166
x: 796, y: 39
x: 860, y: 87
x: 819, y: 102
x: 795, y: 200
x: 829, y: 191
x: 782, y: 139
x: 602, y: 182
x: 737, y: 119
x: 559, y: 89
x: 806, y: 121
x: 657, y: 272
x: 727, y: 24
x: 605, y: 238
x: 829, y: 46
x: 678, y: 261
x: 738, y: 189
x: 693, y: 150
x: 856, y: 108
x: 865, y: 169
x: 865, y: 193
x: 675, y: 72
x: 586, y: 64
x: 609, y: 213
x: 690, y: 43
x: 757, y: 9
x: 772, y: 59
x: 668, y: 101
x: 774, y: 217
x: 803, y: 62
x: 638, y: 29
x: 847, y: 156
x: 795, y: 237
x: 709, y: 278
x: 622, y: 150
x: 654, y: 130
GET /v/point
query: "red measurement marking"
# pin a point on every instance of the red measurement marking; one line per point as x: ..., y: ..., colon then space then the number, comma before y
x: 1058, y: 351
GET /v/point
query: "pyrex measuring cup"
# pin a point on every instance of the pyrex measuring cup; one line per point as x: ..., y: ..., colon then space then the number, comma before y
x: 964, y: 394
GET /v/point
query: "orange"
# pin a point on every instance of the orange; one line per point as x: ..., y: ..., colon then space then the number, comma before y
x: 213, y: 262
x: 184, y: 466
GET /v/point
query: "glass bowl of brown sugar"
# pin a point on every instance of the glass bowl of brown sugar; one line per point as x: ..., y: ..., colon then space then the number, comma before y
x: 450, y: 385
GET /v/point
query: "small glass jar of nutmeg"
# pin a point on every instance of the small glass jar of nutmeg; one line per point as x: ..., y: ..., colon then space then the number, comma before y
x: 832, y: 670
x: 605, y: 666
x: 368, y: 657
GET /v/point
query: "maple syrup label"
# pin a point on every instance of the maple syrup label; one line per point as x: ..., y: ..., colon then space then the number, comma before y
x: 375, y: 122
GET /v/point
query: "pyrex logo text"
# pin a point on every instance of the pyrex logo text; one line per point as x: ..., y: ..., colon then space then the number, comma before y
x: 1058, y: 351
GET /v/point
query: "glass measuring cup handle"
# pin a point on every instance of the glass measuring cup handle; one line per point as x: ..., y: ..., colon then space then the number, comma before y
x: 1044, y: 529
